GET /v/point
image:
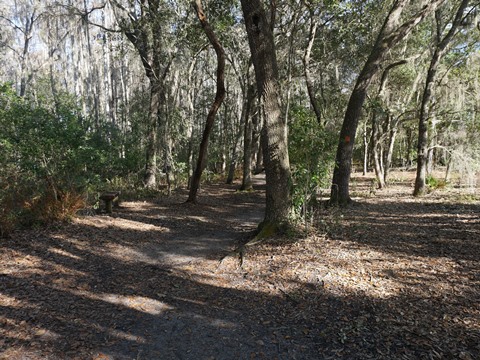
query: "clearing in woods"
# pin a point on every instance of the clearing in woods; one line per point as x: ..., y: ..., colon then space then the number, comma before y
x: 392, y: 277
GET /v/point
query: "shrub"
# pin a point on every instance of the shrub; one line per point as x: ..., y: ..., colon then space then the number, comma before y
x: 49, y: 160
x: 434, y: 183
x: 311, y: 150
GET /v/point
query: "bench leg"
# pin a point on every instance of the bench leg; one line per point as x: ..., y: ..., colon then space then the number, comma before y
x: 108, y: 206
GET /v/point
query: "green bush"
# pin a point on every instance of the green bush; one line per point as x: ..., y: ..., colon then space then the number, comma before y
x: 311, y: 150
x: 434, y: 183
x: 50, y: 158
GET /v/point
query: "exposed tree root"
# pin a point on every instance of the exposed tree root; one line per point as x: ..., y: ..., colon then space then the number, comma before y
x: 265, y: 231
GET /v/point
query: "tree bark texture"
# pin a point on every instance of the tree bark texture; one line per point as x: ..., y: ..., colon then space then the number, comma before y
x: 145, y: 34
x: 376, y: 156
x: 390, y: 34
x: 247, y: 141
x: 219, y: 96
x: 422, y: 145
x: 391, y: 143
x: 156, y: 99
x: 274, y: 132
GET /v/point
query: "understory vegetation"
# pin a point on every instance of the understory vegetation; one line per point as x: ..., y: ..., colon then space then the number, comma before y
x: 86, y: 107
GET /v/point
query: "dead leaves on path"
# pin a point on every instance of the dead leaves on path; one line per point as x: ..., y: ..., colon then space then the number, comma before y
x: 385, y: 279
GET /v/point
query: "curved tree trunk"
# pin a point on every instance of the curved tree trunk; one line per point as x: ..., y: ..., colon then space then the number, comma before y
x: 422, y: 145
x: 390, y: 34
x: 274, y: 133
x: 219, y: 96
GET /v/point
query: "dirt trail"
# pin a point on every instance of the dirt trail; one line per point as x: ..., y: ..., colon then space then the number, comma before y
x: 135, y: 285
x: 390, y: 278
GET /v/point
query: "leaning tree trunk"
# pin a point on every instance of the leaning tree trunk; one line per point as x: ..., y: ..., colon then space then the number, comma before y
x: 390, y: 34
x: 274, y: 133
x: 219, y: 96
x: 422, y: 145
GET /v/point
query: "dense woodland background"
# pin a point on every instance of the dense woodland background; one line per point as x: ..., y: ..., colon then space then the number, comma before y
x: 103, y: 95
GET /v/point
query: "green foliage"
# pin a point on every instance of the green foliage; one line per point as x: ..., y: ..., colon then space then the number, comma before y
x: 311, y: 150
x: 50, y: 159
x: 434, y: 183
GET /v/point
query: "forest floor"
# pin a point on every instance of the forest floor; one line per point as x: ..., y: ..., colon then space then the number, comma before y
x: 391, y: 277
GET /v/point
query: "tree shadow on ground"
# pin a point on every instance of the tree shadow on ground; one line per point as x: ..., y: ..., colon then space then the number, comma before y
x: 86, y: 304
x: 110, y: 288
x: 425, y: 229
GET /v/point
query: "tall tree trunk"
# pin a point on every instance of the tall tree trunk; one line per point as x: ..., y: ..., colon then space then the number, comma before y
x: 389, y: 156
x: 247, y: 141
x: 390, y: 34
x: 408, y: 150
x: 422, y: 145
x: 365, y: 150
x: 156, y: 99
x: 219, y: 96
x: 274, y: 133
x: 257, y: 124
x: 290, y: 59
x: 27, y: 37
x: 234, y: 157
x: 376, y: 156
x: 92, y: 72
x: 306, y: 66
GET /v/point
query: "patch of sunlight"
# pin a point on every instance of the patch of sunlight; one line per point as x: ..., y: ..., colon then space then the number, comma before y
x: 125, y: 253
x: 202, y: 219
x: 126, y: 336
x: 12, y: 302
x: 138, y: 206
x: 219, y: 323
x: 10, y: 329
x: 138, y: 303
x: 64, y: 253
x: 120, y: 223
x: 45, y: 334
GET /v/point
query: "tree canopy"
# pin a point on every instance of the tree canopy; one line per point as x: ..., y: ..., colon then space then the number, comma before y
x: 116, y: 93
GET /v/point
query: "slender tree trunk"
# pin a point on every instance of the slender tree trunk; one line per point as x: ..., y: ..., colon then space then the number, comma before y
x: 390, y: 34
x: 156, y: 99
x: 257, y: 124
x: 27, y: 36
x: 234, y: 157
x: 247, y: 141
x: 290, y: 60
x: 306, y: 67
x: 219, y: 96
x: 92, y: 73
x: 274, y: 133
x: 422, y: 145
x: 365, y: 150
x: 376, y: 156
x: 389, y: 157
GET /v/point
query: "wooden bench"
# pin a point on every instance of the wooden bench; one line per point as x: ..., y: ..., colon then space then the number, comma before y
x: 109, y: 197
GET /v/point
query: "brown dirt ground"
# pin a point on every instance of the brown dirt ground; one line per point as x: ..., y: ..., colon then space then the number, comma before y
x: 391, y: 277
